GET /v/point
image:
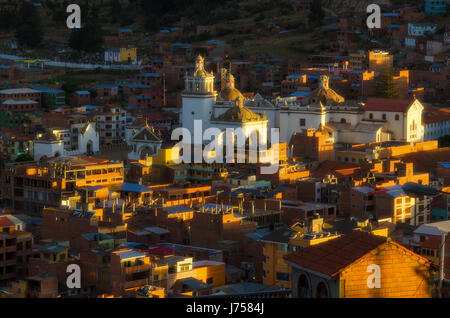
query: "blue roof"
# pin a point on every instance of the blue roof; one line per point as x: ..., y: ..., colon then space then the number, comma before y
x: 132, y: 187
x: 131, y: 244
x: 301, y: 94
x: 105, y: 86
x: 97, y: 236
x: 213, y: 41
x: 83, y: 92
x: 126, y: 30
x: 47, y: 90
x: 135, y: 85
x: 5, y: 67
x: 149, y: 75
x: 446, y: 165
x: 129, y: 254
x: 181, y: 44
x: 164, y: 31
x: 391, y: 14
x: 53, y: 248
x: 297, y: 76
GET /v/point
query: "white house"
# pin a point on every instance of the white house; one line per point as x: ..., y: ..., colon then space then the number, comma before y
x: 145, y: 142
x: 82, y: 138
x: 436, y: 123
x: 401, y: 117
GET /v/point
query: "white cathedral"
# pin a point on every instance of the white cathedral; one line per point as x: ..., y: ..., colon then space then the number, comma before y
x: 346, y: 121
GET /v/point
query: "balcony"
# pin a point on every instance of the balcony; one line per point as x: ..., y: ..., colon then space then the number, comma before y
x: 136, y: 269
x: 135, y: 283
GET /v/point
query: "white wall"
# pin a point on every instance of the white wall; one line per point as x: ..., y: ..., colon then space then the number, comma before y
x: 47, y: 148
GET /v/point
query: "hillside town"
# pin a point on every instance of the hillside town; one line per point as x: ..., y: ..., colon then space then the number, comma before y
x: 92, y: 177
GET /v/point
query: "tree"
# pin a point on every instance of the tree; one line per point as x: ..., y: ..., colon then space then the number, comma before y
x: 24, y: 158
x: 316, y: 13
x: 29, y: 29
x: 88, y: 38
x: 152, y: 23
x: 385, y: 85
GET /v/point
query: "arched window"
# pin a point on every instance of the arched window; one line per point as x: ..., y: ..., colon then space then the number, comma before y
x: 322, y: 290
x: 304, y: 287
x: 343, y: 120
x: 370, y: 116
x: 397, y: 117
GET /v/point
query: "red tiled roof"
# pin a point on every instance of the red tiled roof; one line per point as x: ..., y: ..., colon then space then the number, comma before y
x: 435, y: 115
x: 161, y: 250
x: 333, y: 256
x: 387, y: 105
x: 5, y: 222
x: 331, y: 167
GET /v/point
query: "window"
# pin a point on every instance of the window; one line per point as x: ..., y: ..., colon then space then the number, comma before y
x: 282, y: 247
x: 302, y: 122
x: 371, y: 116
x: 322, y: 290
x: 304, y: 289
x: 397, y: 117
x: 384, y: 116
x: 282, y: 277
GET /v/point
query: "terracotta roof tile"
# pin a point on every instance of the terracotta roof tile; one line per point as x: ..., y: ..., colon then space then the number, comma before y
x: 5, y: 222
x: 387, y: 105
x: 331, y: 257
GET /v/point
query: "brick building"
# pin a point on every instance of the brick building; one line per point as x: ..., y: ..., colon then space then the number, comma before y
x: 344, y: 268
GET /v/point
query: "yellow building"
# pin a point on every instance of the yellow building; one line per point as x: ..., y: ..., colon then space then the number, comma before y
x: 378, y: 60
x: 128, y: 54
x: 119, y: 55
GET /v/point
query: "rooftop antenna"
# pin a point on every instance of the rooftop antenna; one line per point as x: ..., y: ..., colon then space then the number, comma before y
x: 164, y: 89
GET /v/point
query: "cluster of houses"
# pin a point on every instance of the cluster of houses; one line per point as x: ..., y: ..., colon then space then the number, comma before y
x: 92, y: 177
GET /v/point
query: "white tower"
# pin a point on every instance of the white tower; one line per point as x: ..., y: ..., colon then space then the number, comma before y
x: 198, y: 97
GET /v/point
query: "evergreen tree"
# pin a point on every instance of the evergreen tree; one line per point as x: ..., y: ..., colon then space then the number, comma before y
x: 316, y: 13
x: 385, y: 85
x: 88, y: 38
x: 29, y: 29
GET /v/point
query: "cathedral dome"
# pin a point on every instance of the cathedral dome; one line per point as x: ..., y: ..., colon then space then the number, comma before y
x: 200, y: 68
x: 324, y: 94
x: 240, y: 113
x: 230, y: 93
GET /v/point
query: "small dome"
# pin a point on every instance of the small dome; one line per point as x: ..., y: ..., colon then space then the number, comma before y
x: 324, y: 94
x: 230, y: 94
x: 240, y: 113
